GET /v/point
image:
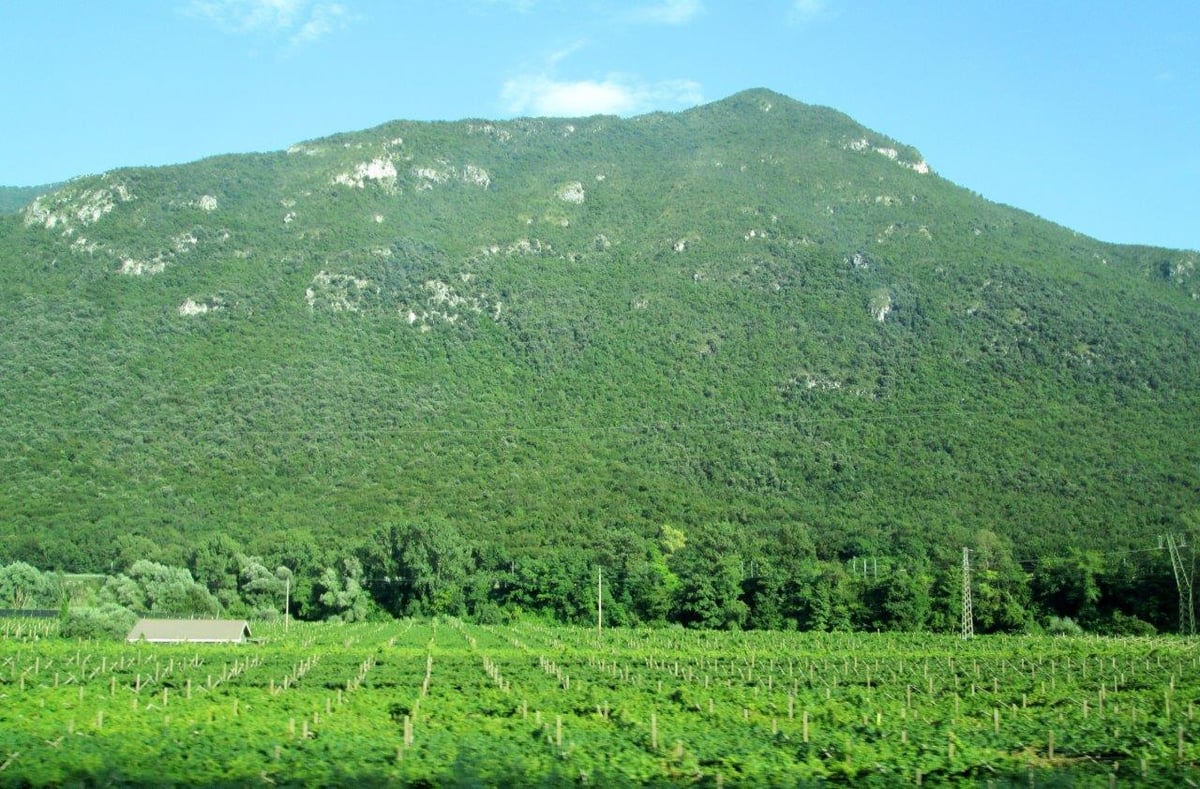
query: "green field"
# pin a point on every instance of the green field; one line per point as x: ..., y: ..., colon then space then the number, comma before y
x: 442, y: 702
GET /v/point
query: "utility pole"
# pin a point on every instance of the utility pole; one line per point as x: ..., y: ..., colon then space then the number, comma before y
x: 599, y: 601
x: 968, y: 617
x: 1183, y: 582
x: 287, y: 603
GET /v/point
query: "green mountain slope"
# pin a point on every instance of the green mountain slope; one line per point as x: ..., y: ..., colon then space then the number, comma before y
x: 14, y: 198
x: 755, y: 313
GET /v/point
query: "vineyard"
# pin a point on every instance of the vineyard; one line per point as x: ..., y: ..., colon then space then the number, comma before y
x: 443, y: 702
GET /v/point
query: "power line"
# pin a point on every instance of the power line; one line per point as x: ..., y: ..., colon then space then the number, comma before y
x: 1041, y: 559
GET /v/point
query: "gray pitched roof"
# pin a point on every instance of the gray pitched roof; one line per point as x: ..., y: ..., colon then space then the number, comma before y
x: 191, y: 630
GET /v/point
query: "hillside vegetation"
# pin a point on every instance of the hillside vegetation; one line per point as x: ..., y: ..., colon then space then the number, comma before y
x: 14, y: 198
x: 731, y: 355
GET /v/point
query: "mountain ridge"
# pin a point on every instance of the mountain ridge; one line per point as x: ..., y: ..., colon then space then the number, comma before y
x: 745, y: 316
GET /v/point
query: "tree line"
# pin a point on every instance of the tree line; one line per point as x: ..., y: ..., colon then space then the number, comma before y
x: 710, y: 577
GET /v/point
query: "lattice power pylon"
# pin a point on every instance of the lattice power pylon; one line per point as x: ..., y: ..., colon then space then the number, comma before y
x: 1183, y: 582
x: 968, y: 616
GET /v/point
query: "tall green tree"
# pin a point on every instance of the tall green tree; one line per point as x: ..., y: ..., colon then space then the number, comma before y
x: 1000, y: 587
x: 159, y: 589
x: 711, y: 569
x: 215, y: 561
x: 262, y: 590
x: 24, y: 586
x: 341, y: 594
x: 420, y: 567
x: 1069, y: 586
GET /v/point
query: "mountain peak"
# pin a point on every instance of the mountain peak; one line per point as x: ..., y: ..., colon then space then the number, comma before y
x: 550, y: 331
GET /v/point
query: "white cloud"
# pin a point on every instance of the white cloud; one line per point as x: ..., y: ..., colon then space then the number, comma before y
x: 326, y: 18
x: 668, y: 12
x: 616, y: 94
x: 301, y: 21
x: 807, y: 10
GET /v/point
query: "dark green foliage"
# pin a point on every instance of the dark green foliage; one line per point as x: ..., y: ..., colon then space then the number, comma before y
x: 540, y: 341
x: 419, y: 568
x: 216, y: 563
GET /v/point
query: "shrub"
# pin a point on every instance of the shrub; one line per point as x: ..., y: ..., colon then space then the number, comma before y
x: 1122, y: 624
x: 108, y: 621
x: 1063, y: 626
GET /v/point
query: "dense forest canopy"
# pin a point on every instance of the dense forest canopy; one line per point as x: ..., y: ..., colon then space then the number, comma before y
x: 732, y: 356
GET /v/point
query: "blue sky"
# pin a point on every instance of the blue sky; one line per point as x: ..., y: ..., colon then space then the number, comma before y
x: 1086, y: 113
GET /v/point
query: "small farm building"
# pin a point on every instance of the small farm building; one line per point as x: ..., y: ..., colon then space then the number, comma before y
x: 191, y: 631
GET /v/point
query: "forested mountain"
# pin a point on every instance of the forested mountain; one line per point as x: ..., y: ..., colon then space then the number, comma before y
x: 752, y: 345
x: 14, y: 198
